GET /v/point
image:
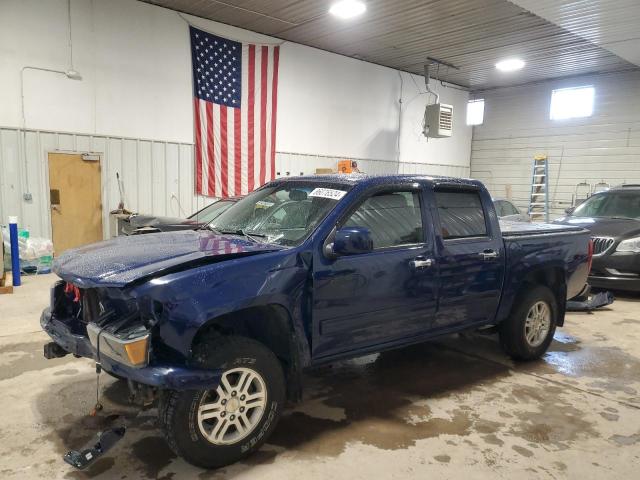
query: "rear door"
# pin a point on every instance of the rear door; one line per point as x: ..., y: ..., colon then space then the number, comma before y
x: 471, y: 256
x: 369, y: 299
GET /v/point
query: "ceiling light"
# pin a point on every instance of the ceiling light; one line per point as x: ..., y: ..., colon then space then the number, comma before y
x: 510, y: 65
x: 348, y: 8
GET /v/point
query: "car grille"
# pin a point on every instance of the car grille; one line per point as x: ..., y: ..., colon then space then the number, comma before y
x: 601, y: 244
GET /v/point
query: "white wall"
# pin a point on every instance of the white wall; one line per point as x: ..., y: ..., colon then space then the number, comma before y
x: 135, y: 62
x: 603, y: 147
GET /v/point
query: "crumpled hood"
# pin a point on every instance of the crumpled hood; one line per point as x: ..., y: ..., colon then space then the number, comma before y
x: 605, y: 227
x: 122, y: 260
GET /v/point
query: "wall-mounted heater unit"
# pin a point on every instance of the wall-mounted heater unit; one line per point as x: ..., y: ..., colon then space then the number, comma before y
x: 438, y: 120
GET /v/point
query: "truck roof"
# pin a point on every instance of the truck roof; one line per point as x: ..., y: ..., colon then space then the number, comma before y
x: 371, y: 179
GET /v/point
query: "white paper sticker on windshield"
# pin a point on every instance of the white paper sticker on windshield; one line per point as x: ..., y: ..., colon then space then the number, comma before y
x: 263, y: 204
x: 328, y: 193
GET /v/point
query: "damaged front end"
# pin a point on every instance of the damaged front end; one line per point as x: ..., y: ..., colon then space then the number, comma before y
x: 120, y: 333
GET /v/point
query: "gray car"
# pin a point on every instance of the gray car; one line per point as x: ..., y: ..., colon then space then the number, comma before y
x: 508, y: 211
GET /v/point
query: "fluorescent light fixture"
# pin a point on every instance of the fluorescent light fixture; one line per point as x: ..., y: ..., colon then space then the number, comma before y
x: 510, y: 65
x: 475, y: 112
x: 346, y: 9
x: 573, y: 102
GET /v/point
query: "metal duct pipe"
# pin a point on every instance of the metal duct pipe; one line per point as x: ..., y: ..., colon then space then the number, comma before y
x: 427, y: 85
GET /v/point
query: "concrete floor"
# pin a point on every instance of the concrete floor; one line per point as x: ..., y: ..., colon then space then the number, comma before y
x: 449, y: 409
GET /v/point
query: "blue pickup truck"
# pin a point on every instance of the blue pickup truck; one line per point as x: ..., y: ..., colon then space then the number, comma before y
x: 219, y: 323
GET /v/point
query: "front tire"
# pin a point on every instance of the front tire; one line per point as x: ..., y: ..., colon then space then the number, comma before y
x: 214, y: 428
x: 529, y: 330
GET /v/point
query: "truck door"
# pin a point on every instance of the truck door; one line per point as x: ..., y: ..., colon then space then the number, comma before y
x: 373, y: 298
x: 470, y: 256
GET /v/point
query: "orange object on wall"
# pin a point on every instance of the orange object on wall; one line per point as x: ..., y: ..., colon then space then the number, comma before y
x: 344, y: 166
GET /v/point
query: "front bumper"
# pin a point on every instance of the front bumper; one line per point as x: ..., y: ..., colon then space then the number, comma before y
x: 164, y: 376
x: 615, y: 283
x: 616, y: 271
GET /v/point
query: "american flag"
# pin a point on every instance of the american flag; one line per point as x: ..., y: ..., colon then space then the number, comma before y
x: 235, y: 87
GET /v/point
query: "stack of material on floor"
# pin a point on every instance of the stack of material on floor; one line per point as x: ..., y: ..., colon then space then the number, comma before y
x: 36, y: 253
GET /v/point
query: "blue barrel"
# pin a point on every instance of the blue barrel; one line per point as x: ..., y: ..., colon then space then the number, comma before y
x: 15, y: 251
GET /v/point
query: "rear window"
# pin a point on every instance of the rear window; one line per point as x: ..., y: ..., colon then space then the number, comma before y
x: 461, y: 214
x: 504, y: 208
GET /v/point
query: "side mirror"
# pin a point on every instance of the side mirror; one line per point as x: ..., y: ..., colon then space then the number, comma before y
x: 352, y: 241
x: 569, y: 210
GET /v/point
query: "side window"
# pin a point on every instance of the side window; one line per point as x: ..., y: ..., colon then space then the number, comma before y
x: 392, y: 217
x: 499, y: 204
x: 461, y: 214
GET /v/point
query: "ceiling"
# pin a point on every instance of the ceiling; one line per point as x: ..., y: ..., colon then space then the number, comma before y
x: 470, y: 35
x: 611, y: 24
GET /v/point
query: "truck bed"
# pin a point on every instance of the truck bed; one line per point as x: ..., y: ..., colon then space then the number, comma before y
x: 530, y: 244
x: 520, y: 229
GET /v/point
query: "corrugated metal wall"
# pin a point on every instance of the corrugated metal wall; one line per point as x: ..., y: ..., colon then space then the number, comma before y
x: 158, y: 176
x: 604, y: 147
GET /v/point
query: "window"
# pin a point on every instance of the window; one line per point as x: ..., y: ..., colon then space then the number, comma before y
x: 461, y: 214
x: 475, y: 112
x: 284, y: 213
x: 571, y: 103
x: 504, y: 208
x: 392, y: 217
x: 610, y: 204
x: 510, y: 209
x: 212, y: 211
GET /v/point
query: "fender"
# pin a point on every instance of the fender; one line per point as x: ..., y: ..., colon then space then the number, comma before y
x: 538, y: 265
x: 191, y: 299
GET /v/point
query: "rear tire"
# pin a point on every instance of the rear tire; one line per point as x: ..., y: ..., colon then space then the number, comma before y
x: 529, y: 330
x: 211, y: 429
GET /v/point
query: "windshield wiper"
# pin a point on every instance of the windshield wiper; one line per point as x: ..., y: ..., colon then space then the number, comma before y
x: 253, y: 236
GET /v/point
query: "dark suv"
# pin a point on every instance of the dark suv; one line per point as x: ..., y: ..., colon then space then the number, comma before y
x: 613, y: 218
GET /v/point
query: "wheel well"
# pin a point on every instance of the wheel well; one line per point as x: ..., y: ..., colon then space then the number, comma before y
x: 267, y: 324
x: 554, y: 278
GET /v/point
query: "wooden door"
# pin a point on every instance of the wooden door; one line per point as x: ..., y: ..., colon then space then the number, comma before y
x: 76, y: 201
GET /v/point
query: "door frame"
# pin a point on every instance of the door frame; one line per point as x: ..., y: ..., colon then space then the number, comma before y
x: 103, y: 187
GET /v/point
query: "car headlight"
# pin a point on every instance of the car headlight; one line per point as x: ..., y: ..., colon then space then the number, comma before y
x: 132, y: 350
x: 629, y: 245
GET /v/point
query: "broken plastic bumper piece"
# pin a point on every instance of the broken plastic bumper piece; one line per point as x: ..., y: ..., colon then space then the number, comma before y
x: 93, y: 450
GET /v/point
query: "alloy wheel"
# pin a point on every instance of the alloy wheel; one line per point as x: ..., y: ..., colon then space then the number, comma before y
x: 232, y: 411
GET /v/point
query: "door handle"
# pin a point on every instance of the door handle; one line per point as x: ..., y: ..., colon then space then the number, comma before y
x: 420, y: 262
x: 489, y: 254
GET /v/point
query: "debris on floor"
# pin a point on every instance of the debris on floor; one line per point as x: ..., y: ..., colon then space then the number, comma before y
x: 601, y: 299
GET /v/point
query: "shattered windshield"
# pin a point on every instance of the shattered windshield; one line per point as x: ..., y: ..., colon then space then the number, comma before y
x: 284, y: 214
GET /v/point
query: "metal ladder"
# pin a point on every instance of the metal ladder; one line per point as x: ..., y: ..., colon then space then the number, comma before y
x: 539, y: 201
